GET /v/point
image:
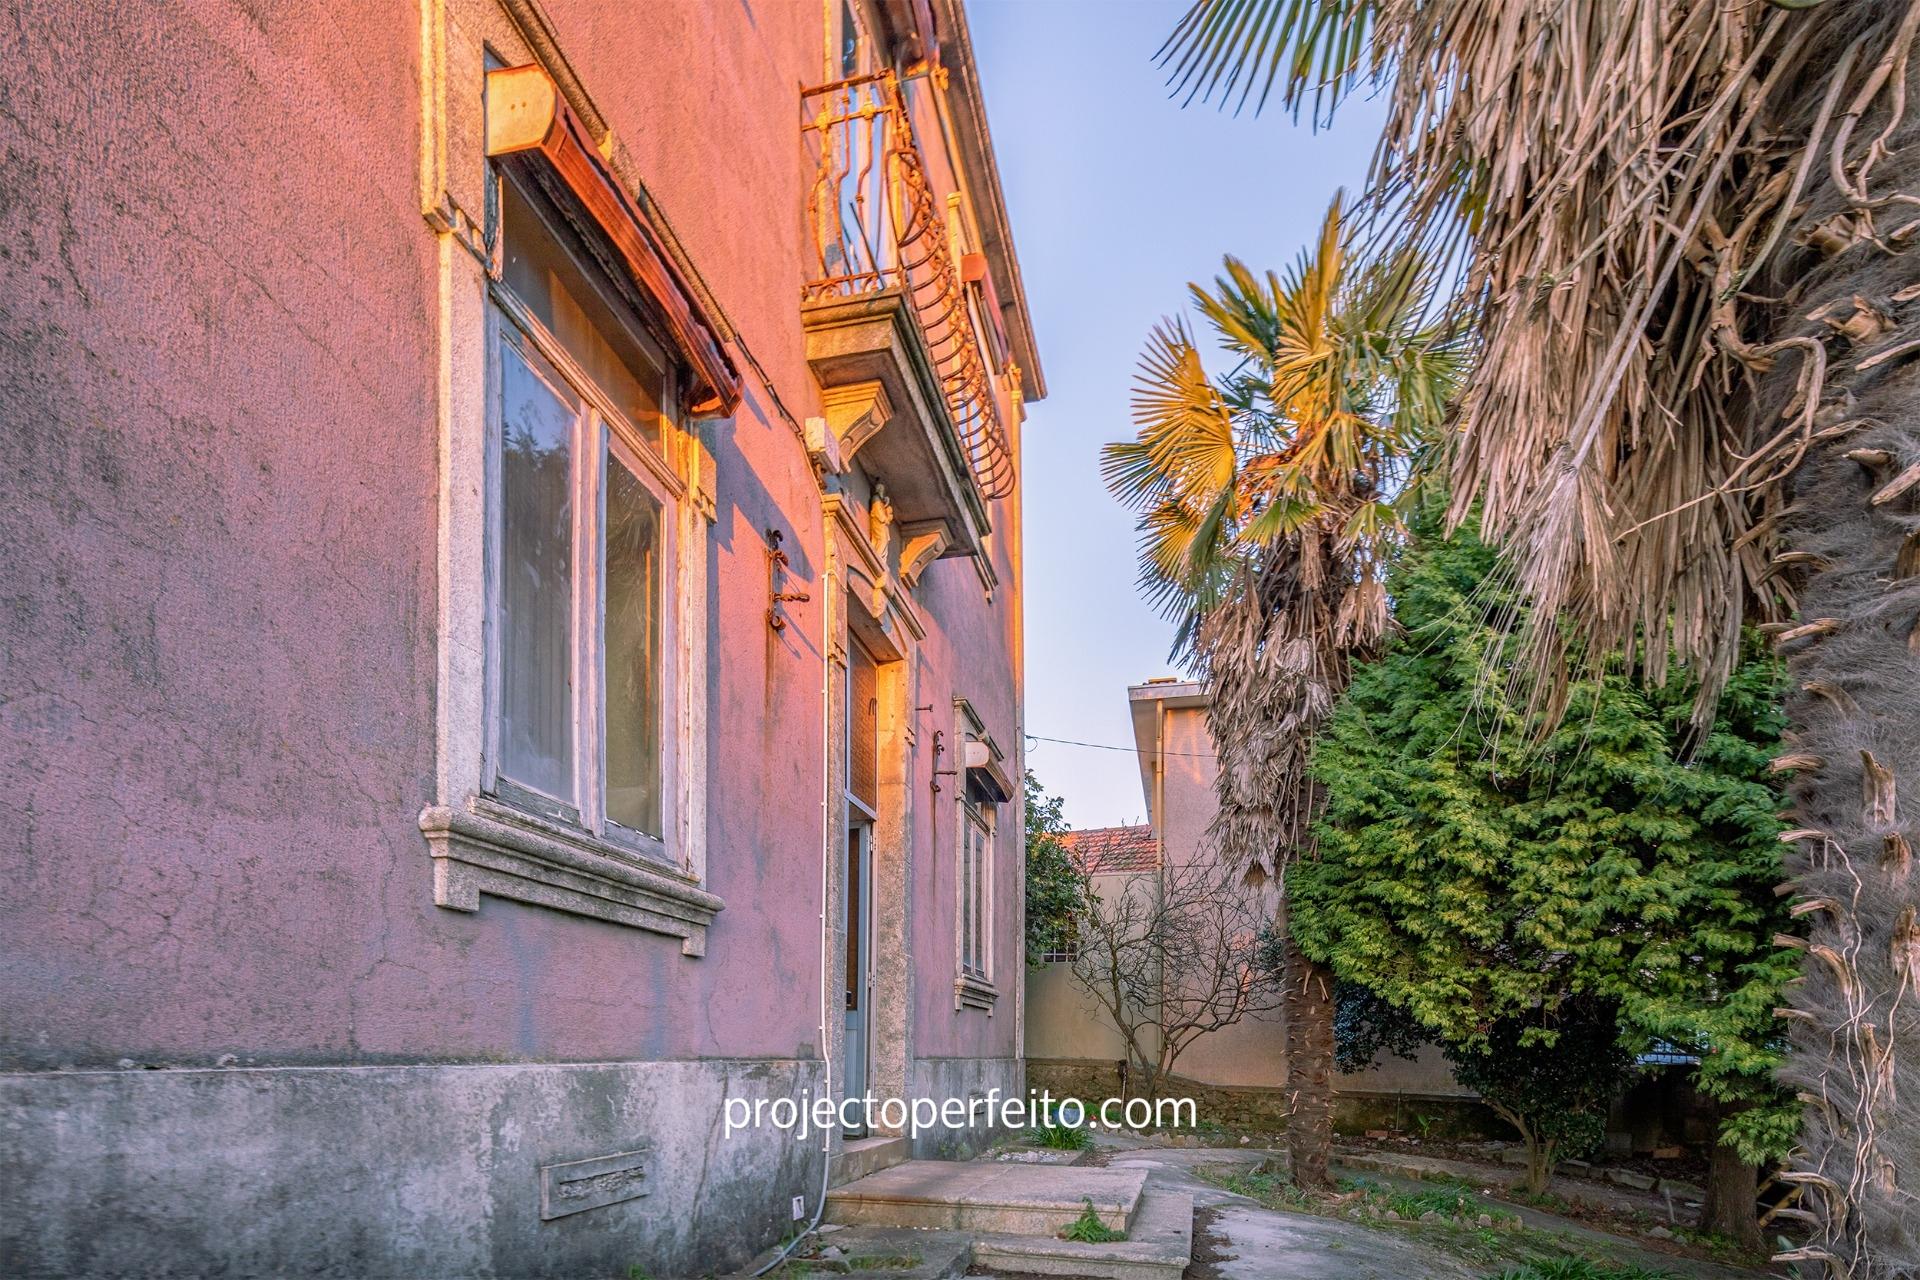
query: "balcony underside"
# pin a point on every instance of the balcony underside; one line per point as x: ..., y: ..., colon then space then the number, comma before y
x: 885, y: 403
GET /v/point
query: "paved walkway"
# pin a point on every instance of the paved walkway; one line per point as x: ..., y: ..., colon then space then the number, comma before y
x: 1239, y: 1239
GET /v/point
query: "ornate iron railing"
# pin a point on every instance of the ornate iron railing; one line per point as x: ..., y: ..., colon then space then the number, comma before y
x: 877, y: 225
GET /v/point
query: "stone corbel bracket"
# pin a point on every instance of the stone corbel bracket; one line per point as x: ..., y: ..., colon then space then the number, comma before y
x: 855, y: 414
x: 823, y: 449
x: 490, y: 850
x: 921, y: 545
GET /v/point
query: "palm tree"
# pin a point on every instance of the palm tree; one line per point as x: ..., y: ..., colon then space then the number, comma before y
x: 1684, y: 236
x: 1266, y: 509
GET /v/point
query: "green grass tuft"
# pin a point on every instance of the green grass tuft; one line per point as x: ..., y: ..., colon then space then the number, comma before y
x: 1088, y: 1229
x: 1059, y: 1137
x: 1579, y: 1269
x: 883, y: 1262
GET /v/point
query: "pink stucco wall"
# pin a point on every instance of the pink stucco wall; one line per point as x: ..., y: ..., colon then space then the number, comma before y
x: 217, y: 727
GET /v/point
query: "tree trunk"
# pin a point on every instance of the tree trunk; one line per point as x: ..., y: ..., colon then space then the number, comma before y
x: 1855, y: 668
x: 1855, y: 674
x: 1732, y: 1187
x: 1857, y: 786
x: 1309, y: 1015
x: 1539, y: 1165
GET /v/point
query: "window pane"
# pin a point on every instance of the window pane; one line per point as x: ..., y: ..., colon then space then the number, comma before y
x: 966, y: 902
x: 632, y: 652
x: 536, y: 711
x: 550, y: 281
x: 853, y: 920
x: 863, y: 727
x: 849, y: 42
x: 979, y: 897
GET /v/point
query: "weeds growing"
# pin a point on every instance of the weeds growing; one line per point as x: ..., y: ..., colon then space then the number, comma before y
x: 1579, y: 1269
x: 1059, y: 1137
x: 1088, y: 1229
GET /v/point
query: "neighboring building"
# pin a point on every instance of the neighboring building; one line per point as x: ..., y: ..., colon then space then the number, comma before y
x: 513, y: 624
x: 1243, y: 1068
x: 1065, y: 1024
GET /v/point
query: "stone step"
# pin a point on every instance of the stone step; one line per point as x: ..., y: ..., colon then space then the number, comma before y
x: 1158, y: 1247
x: 862, y: 1156
x: 1017, y: 1199
x: 875, y: 1253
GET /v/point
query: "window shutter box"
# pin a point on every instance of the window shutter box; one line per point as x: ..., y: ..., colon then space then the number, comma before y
x: 531, y: 128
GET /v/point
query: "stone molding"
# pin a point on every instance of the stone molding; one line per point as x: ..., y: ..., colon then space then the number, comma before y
x: 493, y: 850
x: 970, y: 992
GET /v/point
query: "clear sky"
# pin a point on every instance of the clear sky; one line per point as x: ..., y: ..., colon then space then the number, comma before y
x: 1118, y: 197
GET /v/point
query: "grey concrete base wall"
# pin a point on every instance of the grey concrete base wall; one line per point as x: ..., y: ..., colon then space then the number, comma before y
x: 424, y: 1171
x: 965, y: 1078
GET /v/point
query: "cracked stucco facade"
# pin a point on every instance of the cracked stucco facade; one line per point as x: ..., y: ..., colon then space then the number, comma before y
x: 237, y: 1036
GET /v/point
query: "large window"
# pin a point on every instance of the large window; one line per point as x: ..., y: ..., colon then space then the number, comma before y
x: 976, y: 872
x: 582, y: 531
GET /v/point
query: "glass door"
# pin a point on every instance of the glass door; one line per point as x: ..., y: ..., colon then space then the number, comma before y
x: 858, y: 905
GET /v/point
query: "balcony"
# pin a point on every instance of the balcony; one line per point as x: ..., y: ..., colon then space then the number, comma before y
x: 892, y: 325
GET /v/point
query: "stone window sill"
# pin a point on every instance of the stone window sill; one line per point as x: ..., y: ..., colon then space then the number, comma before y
x: 970, y: 992
x: 492, y: 849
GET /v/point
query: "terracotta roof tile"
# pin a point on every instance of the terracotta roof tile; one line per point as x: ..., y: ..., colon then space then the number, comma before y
x: 1111, y: 850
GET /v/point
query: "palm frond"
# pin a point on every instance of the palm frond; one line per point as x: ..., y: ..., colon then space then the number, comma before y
x: 1300, y: 45
x: 1180, y: 417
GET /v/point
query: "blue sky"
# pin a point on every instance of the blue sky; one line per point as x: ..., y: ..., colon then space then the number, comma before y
x: 1118, y: 197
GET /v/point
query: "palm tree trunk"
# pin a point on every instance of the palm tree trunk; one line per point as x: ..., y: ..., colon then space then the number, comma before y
x: 1856, y: 1016
x: 1309, y: 1023
x: 1854, y: 658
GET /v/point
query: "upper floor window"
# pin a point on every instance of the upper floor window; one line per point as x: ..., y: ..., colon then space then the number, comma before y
x: 863, y: 729
x: 852, y: 41
x: 580, y: 645
x: 976, y: 898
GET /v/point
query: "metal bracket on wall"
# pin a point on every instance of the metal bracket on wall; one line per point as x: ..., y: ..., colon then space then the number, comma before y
x: 939, y: 746
x: 777, y: 564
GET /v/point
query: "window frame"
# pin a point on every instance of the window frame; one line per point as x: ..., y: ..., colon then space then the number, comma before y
x: 975, y: 882
x: 976, y: 807
x: 850, y: 16
x: 859, y: 807
x: 480, y: 848
x: 602, y: 434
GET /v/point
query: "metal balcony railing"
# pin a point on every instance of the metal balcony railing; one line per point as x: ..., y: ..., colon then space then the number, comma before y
x: 877, y: 225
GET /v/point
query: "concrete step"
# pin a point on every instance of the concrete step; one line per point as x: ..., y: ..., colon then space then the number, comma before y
x: 1158, y: 1247
x: 875, y: 1253
x: 1017, y: 1199
x: 860, y: 1157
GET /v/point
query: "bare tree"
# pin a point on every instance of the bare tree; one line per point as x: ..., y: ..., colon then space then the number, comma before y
x: 1172, y: 957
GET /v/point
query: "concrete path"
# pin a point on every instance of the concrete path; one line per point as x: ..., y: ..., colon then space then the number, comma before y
x: 1238, y: 1239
